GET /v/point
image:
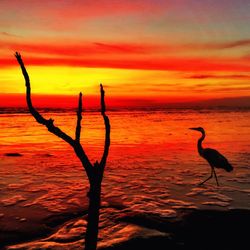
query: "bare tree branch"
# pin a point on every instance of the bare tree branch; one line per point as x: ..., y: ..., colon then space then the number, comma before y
x: 107, y: 129
x: 49, y: 123
x: 79, y: 118
x: 39, y: 118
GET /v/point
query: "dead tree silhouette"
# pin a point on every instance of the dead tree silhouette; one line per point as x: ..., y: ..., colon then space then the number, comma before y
x: 94, y: 171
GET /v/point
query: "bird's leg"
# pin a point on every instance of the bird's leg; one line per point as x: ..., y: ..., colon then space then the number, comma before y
x: 215, y: 177
x: 208, y: 177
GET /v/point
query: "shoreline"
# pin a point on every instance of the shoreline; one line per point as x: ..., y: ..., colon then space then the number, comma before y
x: 195, y: 228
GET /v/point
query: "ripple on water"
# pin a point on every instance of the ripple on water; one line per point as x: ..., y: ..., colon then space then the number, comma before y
x: 209, y: 193
x: 13, y: 200
x: 179, y: 204
x: 216, y: 203
x: 72, y: 231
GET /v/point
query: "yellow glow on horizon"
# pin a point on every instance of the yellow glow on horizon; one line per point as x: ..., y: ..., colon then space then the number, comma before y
x: 71, y: 80
x: 63, y: 80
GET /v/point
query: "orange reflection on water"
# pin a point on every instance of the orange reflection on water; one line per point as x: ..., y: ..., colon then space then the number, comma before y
x: 153, y: 166
x: 157, y: 133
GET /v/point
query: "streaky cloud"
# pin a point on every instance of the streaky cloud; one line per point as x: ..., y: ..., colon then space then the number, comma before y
x: 168, y: 63
x: 7, y: 34
x: 209, y: 76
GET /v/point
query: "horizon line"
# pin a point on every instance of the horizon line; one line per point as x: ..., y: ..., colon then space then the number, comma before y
x: 69, y: 100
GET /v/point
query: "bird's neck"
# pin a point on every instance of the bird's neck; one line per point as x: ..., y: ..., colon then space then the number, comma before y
x: 199, y: 145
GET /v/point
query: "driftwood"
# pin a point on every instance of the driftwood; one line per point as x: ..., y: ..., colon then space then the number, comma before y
x: 94, y: 171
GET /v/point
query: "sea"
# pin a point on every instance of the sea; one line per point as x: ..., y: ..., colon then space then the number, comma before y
x: 153, y: 168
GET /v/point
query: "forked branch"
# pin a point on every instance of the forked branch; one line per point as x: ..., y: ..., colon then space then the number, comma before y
x: 49, y: 122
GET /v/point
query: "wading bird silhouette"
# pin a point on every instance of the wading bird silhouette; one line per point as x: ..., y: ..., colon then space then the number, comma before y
x: 213, y: 157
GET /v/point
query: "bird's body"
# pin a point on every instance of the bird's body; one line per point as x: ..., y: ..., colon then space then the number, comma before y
x: 216, y: 159
x: 213, y: 157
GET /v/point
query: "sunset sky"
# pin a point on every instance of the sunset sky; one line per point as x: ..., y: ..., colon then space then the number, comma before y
x: 175, y: 50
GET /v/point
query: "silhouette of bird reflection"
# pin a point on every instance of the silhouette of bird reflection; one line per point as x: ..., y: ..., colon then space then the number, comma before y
x: 213, y: 157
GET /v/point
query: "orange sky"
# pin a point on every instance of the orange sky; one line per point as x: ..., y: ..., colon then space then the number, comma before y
x: 143, y: 49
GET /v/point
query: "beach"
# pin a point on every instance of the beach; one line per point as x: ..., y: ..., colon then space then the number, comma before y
x: 150, y: 192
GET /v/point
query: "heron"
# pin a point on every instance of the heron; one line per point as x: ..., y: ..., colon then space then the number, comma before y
x: 213, y: 157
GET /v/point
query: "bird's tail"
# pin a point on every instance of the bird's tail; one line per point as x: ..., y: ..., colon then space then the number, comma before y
x: 229, y: 167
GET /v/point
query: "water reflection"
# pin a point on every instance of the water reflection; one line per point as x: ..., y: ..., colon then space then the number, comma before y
x: 153, y: 168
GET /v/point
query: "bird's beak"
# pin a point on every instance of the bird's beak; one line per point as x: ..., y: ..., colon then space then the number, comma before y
x: 193, y: 128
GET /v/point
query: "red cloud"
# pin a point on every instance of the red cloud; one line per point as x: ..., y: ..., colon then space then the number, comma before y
x: 122, y: 55
x: 219, y: 45
x: 177, y: 64
x: 208, y: 76
x: 80, y: 49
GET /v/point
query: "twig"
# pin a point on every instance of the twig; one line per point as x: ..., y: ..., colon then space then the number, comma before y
x: 79, y: 118
x: 107, y: 129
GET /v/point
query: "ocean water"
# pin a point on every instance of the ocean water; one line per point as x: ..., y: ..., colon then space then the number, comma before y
x: 153, y: 168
